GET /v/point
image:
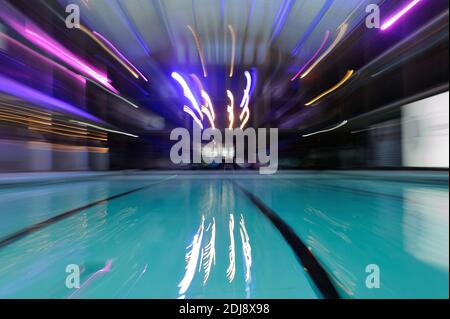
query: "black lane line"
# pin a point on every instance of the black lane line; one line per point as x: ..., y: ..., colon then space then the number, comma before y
x: 35, y: 227
x: 358, y: 191
x: 314, y: 269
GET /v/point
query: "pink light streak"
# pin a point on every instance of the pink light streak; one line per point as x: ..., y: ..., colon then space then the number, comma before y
x: 64, y: 55
x: 41, y: 39
x: 120, y: 54
x: 391, y: 21
x: 105, y: 269
x: 43, y: 58
x: 324, y: 41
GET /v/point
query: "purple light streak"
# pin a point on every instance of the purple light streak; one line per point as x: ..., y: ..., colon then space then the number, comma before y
x: 42, y: 57
x: 61, y: 53
x: 392, y: 20
x: 119, y: 54
x: 38, y: 37
x: 190, y: 96
x: 34, y: 96
x: 325, y: 39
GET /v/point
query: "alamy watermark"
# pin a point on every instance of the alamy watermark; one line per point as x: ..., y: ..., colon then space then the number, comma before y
x: 73, y: 277
x: 232, y: 151
x: 373, y: 277
x: 373, y: 18
x: 73, y: 17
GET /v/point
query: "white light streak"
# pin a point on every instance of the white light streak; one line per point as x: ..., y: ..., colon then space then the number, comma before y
x: 230, y: 109
x: 187, y: 92
x: 192, y: 260
x: 110, y: 92
x: 327, y: 130
x: 342, y: 30
x: 231, y: 271
x: 246, y: 249
x: 189, y: 111
x: 210, y: 253
x: 103, y: 129
x: 246, y: 98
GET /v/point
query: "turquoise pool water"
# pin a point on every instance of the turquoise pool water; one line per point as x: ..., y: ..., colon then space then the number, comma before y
x: 225, y: 236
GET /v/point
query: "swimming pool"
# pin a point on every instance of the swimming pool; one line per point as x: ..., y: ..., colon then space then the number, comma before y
x: 226, y: 235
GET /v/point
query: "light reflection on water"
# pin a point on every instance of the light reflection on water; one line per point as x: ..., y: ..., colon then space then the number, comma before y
x: 425, y: 225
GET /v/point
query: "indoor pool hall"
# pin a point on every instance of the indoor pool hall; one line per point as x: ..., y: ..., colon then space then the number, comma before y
x: 224, y: 150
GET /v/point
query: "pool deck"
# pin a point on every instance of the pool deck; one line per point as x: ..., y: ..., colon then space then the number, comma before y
x: 413, y: 176
x: 17, y: 179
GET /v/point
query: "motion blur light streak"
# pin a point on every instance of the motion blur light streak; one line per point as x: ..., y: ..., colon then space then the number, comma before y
x: 95, y: 36
x: 342, y: 30
x: 5, y: 115
x: 139, y: 74
x: 94, y: 276
x: 254, y: 77
x: 210, y: 253
x: 12, y: 120
x: 192, y: 257
x: 24, y: 113
x: 354, y: 12
x: 42, y: 57
x: 187, y: 93
x: 347, y: 76
x: 246, y: 249
x: 189, y: 111
x: 74, y: 131
x: 209, y: 104
x: 281, y: 18
x: 391, y: 21
x: 323, y: 10
x: 19, y: 119
x: 31, y: 111
x: 245, y: 113
x: 319, y: 175
x: 209, y: 116
x: 378, y: 127
x: 104, y: 129
x: 324, y: 41
x: 230, y: 109
x: 54, y: 123
x: 55, y: 49
x: 208, y: 109
x: 244, y: 117
x: 28, y: 114
x: 144, y: 270
x: 74, y: 134
x: 327, y: 130
x: 91, y: 35
x: 198, y: 44
x: 111, y: 92
x: 246, y: 98
x: 231, y: 270
x: 19, y: 90
x: 233, y: 49
x: 119, y: 7
x: 66, y: 56
x: 68, y: 148
x: 197, y: 81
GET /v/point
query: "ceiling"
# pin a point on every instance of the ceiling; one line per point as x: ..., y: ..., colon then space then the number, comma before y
x: 273, y: 40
